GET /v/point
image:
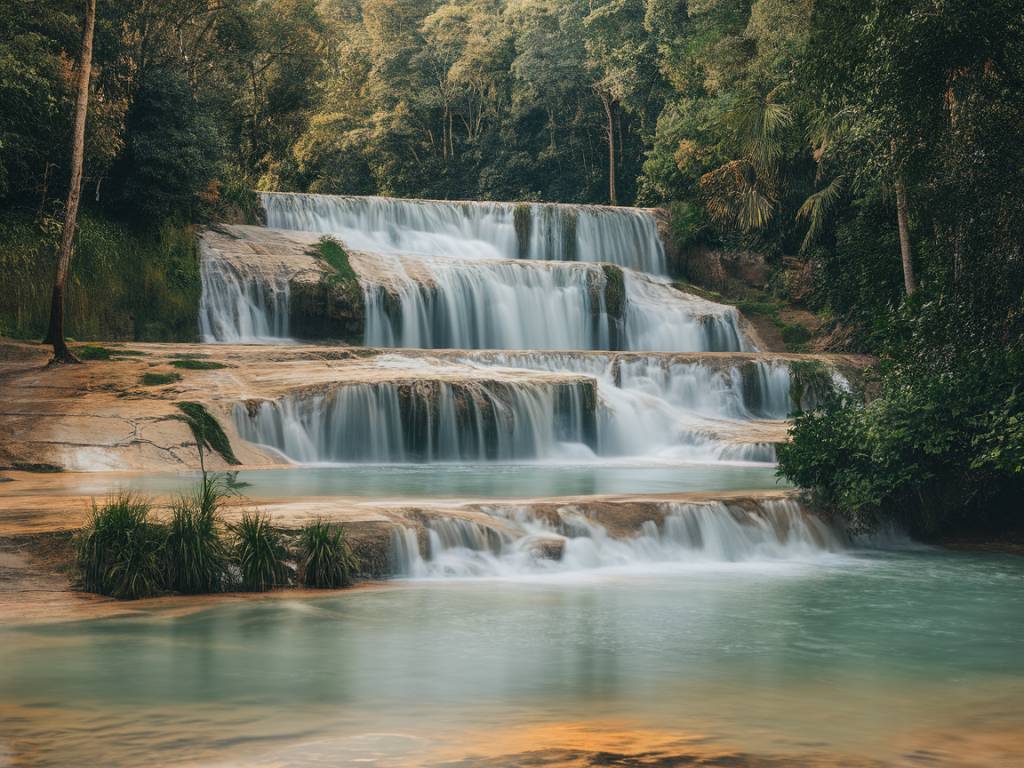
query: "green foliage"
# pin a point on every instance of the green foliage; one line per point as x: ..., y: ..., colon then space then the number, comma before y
x: 325, y: 559
x: 331, y: 251
x: 119, y: 551
x: 195, y: 555
x: 171, y: 149
x: 259, y: 553
x: 794, y: 335
x: 125, y: 283
x: 191, y: 364
x: 207, y: 431
x: 157, y: 379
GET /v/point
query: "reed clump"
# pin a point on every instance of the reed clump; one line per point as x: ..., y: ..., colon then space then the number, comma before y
x: 119, y: 552
x: 260, y: 553
x: 124, y: 552
x: 325, y: 559
x: 196, y: 555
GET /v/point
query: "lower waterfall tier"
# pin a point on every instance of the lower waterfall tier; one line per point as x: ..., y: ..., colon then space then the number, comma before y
x: 525, y: 539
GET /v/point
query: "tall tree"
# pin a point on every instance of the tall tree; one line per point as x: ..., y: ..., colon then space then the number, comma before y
x: 55, y: 336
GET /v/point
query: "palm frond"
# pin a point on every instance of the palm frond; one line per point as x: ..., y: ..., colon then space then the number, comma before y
x: 816, y: 208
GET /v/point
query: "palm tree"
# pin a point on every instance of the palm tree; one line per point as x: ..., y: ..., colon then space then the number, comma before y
x: 744, y: 192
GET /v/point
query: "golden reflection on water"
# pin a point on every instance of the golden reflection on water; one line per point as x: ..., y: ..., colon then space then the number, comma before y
x: 215, y: 737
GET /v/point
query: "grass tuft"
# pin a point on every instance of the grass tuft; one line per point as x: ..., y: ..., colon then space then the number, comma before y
x: 259, y: 553
x: 118, y: 553
x: 325, y: 559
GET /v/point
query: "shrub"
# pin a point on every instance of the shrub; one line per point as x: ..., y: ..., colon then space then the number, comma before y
x: 118, y: 553
x: 259, y: 553
x: 153, y: 379
x: 325, y: 559
x: 195, y: 556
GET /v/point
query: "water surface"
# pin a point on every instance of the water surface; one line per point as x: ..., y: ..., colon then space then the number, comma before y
x: 858, y: 658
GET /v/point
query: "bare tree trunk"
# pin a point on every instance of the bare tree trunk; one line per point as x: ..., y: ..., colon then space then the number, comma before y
x: 610, y: 113
x: 55, y: 334
x: 901, y: 217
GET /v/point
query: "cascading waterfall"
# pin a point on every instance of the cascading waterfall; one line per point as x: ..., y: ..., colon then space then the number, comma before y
x: 759, y: 389
x: 654, y: 410
x: 477, y: 230
x: 518, y: 305
x: 688, y: 533
x: 240, y: 305
x: 426, y: 421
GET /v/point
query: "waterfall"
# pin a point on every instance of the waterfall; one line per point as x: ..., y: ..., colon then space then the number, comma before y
x: 238, y: 304
x: 426, y: 421
x: 476, y: 230
x: 518, y: 305
x: 656, y: 411
x: 687, y: 534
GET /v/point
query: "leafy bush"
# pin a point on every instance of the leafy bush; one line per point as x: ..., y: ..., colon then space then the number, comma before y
x: 195, y: 555
x: 119, y: 551
x: 259, y: 553
x: 325, y: 559
x: 938, y: 452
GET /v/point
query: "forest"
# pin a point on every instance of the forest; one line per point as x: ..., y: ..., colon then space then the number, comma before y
x: 875, y: 149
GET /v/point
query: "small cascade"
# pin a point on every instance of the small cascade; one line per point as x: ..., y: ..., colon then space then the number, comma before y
x: 658, y: 318
x: 239, y: 305
x: 627, y: 237
x: 452, y: 304
x: 426, y: 421
x: 686, y: 534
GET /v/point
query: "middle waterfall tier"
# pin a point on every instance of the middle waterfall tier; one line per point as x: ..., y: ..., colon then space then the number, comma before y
x: 434, y: 302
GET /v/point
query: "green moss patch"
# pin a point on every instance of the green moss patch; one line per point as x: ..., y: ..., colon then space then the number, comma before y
x: 207, y: 431
x: 191, y: 364
x: 153, y: 379
x: 332, y: 252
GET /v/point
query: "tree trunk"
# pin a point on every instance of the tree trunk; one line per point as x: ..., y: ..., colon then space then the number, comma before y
x: 55, y: 335
x: 901, y: 217
x: 609, y: 110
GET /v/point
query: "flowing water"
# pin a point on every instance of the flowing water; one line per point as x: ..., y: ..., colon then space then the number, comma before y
x: 627, y: 237
x: 817, y: 658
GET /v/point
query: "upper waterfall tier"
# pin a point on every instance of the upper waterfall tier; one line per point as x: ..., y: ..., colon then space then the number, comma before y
x: 627, y: 237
